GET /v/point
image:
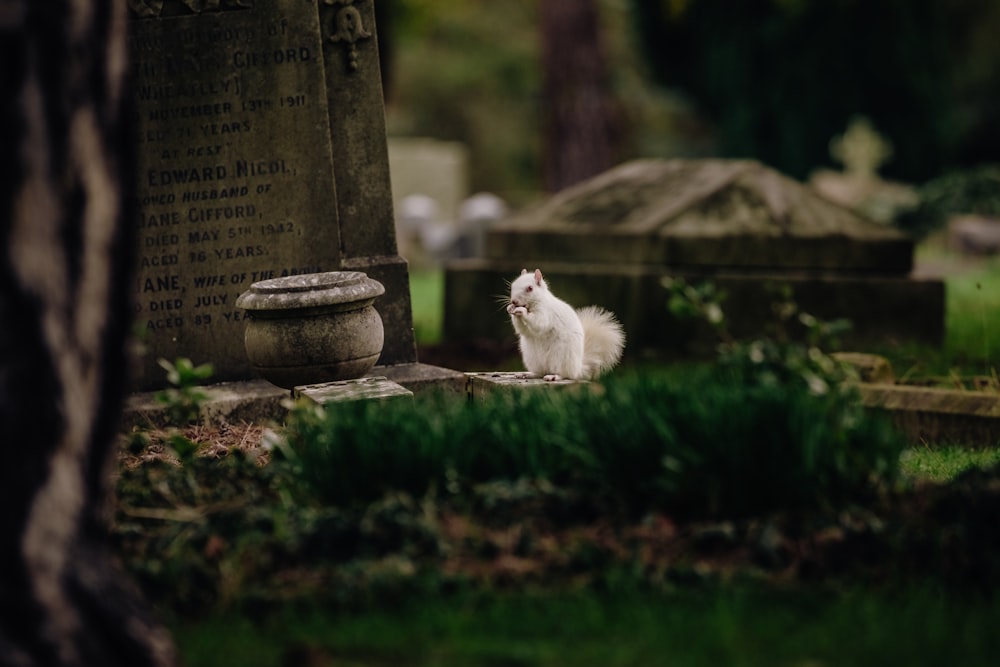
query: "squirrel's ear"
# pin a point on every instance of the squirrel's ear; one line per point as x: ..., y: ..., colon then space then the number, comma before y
x: 538, y: 276
x: 523, y: 271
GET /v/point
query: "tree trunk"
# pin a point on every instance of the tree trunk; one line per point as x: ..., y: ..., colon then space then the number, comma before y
x: 64, y: 318
x: 582, y: 125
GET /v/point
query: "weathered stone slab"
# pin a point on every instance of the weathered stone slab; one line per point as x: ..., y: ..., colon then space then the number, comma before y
x: 938, y: 416
x: 481, y: 385
x: 423, y: 378
x: 360, y: 389
x: 700, y: 214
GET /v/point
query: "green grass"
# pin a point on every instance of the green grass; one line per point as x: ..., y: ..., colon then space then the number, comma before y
x: 732, y: 626
x: 427, y: 297
x: 973, y: 317
x: 942, y: 464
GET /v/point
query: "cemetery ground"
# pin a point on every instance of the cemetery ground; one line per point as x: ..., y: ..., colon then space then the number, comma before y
x: 747, y: 523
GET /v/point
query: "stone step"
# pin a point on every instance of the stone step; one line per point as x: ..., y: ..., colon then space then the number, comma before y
x: 479, y: 385
x: 360, y: 389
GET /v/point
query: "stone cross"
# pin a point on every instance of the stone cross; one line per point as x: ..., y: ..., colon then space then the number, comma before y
x: 861, y: 149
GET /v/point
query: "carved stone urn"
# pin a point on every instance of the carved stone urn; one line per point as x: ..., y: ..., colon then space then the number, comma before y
x: 313, y: 328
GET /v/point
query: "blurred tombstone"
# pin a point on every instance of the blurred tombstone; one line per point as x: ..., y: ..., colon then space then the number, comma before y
x: 613, y: 239
x: 974, y: 234
x: 475, y: 217
x: 427, y: 239
x: 862, y: 151
x: 414, y: 213
x: 429, y: 167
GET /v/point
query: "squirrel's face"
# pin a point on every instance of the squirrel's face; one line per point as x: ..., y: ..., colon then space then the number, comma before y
x: 527, y: 289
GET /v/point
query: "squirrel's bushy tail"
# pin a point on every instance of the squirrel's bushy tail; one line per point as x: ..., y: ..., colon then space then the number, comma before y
x: 603, y: 341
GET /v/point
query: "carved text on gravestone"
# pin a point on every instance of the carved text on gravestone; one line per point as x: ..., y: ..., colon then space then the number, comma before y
x: 235, y: 178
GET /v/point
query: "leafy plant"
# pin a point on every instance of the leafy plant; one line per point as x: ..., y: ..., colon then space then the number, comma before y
x: 704, y: 301
x: 183, y: 400
x: 703, y: 444
x: 796, y: 351
x: 194, y: 534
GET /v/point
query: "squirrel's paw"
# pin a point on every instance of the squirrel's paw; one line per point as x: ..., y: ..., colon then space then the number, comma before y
x: 517, y: 310
x: 552, y: 377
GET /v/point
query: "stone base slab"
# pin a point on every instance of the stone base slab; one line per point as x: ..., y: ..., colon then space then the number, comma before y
x: 251, y: 401
x: 420, y: 378
x: 259, y: 401
x: 360, y: 389
x: 482, y: 384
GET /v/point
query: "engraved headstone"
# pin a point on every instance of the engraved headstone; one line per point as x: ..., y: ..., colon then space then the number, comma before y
x: 261, y: 154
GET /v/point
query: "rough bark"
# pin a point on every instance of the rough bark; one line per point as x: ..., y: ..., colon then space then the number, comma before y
x: 64, y: 296
x: 582, y: 128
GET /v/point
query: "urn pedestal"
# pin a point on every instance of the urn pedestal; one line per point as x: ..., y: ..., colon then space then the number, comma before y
x: 313, y: 328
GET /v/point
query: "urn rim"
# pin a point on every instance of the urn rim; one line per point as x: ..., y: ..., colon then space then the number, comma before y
x: 310, y: 290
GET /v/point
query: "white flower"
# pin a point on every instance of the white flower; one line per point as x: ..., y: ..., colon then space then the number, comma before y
x: 817, y: 385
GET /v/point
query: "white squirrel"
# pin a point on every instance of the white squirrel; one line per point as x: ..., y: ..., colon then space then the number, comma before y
x: 557, y: 341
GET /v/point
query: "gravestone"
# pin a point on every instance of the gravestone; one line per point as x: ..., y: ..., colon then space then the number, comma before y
x: 863, y: 151
x: 261, y: 154
x: 611, y: 240
x: 436, y: 169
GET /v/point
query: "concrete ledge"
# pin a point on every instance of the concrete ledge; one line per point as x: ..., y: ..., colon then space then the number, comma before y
x: 938, y: 416
x: 256, y: 401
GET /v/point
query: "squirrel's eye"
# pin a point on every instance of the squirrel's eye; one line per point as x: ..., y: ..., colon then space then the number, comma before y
x: 530, y: 288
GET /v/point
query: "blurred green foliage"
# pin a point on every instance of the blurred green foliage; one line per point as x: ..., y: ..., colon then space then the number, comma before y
x: 779, y: 78
x: 738, y: 625
x: 707, y: 444
x: 974, y: 191
x: 183, y: 399
x: 774, y: 80
x: 471, y: 72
